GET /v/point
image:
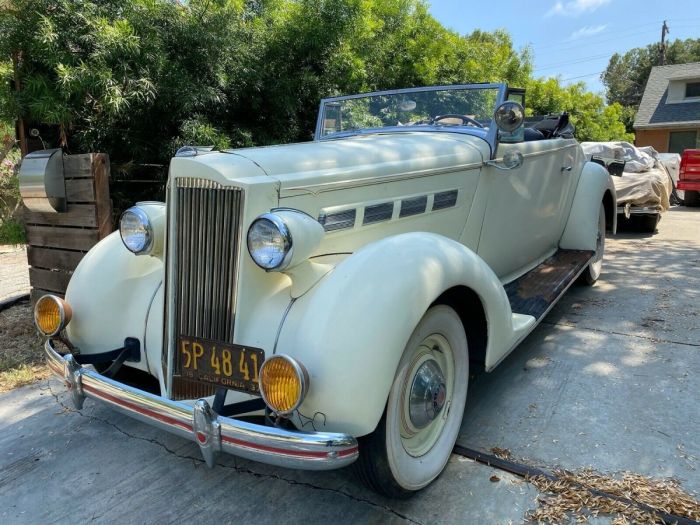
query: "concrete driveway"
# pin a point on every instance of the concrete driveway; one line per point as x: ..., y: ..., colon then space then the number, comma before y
x: 609, y: 380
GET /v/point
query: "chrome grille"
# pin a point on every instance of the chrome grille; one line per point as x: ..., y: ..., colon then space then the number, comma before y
x: 207, y: 225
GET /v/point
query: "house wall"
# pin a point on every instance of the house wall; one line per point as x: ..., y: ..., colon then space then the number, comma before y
x: 657, y: 138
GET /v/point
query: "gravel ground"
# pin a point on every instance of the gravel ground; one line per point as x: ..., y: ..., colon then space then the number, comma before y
x: 21, y: 356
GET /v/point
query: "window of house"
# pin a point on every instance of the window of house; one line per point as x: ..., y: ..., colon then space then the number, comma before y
x: 680, y: 140
x: 692, y: 89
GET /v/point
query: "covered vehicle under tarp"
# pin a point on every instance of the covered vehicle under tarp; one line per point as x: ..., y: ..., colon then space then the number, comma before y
x: 645, y: 182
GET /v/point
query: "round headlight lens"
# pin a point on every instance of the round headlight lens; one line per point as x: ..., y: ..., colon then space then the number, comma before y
x: 283, y: 383
x: 509, y: 116
x: 51, y: 315
x: 269, y: 241
x: 135, y: 229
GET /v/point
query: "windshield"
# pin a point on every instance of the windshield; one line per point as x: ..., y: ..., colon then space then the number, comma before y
x: 466, y: 107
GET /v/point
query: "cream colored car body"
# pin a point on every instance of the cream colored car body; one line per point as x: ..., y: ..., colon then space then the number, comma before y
x: 347, y: 312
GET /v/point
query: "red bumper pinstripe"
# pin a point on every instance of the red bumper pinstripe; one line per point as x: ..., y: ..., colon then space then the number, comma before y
x: 199, y: 423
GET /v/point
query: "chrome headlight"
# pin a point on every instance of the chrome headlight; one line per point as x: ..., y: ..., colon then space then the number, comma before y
x: 136, y: 230
x: 269, y: 242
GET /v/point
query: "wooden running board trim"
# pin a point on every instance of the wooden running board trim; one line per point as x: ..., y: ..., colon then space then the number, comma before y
x: 536, y: 292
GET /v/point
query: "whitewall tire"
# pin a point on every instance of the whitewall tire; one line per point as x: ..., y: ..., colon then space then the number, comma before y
x: 418, y: 430
x: 592, y: 272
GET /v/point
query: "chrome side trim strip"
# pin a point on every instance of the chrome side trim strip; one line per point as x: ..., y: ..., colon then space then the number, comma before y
x: 445, y: 199
x: 372, y: 181
x: 378, y: 212
x: 543, y: 152
x: 413, y: 206
x: 198, y: 423
x: 338, y: 220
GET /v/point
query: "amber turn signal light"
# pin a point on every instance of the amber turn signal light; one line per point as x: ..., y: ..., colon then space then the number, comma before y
x: 283, y: 384
x: 51, y: 315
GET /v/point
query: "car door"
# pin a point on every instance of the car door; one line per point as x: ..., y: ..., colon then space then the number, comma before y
x: 527, y: 207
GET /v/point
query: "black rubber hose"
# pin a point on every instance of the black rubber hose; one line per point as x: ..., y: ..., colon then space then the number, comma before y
x: 6, y: 303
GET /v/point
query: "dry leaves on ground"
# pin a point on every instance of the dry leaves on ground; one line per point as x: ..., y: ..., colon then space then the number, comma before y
x: 570, y: 498
x: 502, y: 453
x: 21, y: 355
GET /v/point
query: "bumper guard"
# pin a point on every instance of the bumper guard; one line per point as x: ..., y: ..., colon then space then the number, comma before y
x: 199, y: 423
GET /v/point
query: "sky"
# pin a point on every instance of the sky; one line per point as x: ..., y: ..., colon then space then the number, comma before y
x: 573, y: 39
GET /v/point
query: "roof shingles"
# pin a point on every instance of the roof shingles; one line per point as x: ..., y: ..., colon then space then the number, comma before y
x: 655, y: 112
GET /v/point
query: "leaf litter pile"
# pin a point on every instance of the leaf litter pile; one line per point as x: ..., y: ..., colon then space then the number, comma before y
x: 629, y: 498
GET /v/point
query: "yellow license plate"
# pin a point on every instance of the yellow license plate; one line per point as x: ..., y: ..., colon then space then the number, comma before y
x: 224, y: 364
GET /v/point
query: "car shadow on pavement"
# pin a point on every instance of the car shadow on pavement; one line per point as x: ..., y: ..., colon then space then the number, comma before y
x: 607, y: 379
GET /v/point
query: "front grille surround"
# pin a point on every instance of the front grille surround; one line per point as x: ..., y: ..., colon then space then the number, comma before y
x: 202, y: 254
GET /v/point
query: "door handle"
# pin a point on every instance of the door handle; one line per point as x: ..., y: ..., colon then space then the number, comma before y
x: 566, y: 168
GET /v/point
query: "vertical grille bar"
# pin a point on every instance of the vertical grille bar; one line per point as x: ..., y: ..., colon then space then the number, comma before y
x: 207, y: 220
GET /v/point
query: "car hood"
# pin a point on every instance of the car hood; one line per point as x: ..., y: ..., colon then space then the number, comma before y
x: 315, y: 166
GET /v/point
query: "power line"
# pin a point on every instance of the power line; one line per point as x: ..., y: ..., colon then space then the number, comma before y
x: 549, y: 43
x: 581, y: 76
x: 577, y: 61
x: 595, y: 42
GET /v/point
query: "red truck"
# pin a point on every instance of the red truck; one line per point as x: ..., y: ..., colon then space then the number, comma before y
x: 689, y: 177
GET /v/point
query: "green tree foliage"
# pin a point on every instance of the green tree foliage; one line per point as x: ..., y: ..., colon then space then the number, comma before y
x: 626, y: 75
x: 11, y: 231
x: 594, y: 121
x: 139, y: 78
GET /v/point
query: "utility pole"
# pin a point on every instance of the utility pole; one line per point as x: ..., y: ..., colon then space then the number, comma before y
x: 662, y: 47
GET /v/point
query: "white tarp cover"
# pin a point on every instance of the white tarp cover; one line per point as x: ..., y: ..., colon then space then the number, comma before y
x: 645, y: 181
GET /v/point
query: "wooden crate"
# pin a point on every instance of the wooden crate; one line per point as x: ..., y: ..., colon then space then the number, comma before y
x: 58, y: 241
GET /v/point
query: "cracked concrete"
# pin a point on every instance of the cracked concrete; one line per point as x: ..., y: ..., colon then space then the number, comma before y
x: 607, y: 380
x: 97, y: 465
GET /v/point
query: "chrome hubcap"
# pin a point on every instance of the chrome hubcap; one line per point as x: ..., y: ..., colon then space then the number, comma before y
x: 428, y: 394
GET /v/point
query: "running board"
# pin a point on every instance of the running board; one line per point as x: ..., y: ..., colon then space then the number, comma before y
x: 536, y: 292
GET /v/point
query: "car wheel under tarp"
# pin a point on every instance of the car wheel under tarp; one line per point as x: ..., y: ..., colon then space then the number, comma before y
x: 691, y: 198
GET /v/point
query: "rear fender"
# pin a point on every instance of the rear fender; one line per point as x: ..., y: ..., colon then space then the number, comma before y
x: 351, y: 328
x: 595, y: 186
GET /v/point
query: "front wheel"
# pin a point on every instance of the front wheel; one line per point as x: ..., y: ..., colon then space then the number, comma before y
x: 414, y: 439
x: 592, y: 272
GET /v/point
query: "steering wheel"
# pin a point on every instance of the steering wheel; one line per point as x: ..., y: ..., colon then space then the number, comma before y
x: 464, y: 119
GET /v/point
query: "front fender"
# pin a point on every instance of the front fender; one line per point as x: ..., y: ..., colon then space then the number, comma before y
x: 595, y: 186
x: 351, y: 328
x: 110, y: 293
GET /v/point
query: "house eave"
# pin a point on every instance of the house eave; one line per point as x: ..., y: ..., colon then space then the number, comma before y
x: 668, y: 125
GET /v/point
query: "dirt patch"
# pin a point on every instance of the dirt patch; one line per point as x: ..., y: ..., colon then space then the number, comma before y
x: 21, y: 353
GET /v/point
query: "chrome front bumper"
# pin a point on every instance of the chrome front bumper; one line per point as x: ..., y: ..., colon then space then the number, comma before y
x: 199, y: 423
x: 628, y: 209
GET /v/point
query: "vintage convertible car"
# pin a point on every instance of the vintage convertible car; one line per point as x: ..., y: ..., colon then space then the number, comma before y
x: 318, y: 304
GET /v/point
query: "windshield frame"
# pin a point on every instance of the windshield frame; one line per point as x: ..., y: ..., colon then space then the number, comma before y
x: 490, y: 136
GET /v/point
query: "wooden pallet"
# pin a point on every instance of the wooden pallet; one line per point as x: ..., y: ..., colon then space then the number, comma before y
x: 58, y: 241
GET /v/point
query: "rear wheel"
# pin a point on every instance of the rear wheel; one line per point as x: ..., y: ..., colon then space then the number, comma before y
x: 418, y: 430
x: 691, y: 198
x: 592, y: 272
x: 648, y: 223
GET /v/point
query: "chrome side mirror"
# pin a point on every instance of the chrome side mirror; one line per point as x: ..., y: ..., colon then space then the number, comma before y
x: 511, y: 160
